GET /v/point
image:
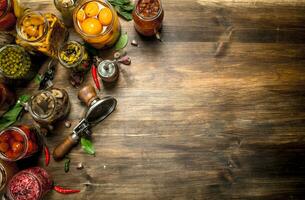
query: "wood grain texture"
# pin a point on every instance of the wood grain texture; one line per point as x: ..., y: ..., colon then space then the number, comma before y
x: 193, y: 126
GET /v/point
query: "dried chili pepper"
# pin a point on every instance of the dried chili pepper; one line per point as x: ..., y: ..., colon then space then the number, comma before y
x: 47, y: 155
x: 62, y: 190
x: 95, y: 77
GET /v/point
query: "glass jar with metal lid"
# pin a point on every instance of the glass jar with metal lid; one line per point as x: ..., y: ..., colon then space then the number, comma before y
x: 50, y: 105
x: 148, y: 17
x: 43, y: 33
x: 66, y: 8
x: 74, y: 56
x: 108, y: 70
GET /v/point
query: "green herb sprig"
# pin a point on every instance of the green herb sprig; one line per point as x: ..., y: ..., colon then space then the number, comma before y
x: 123, y: 7
x: 87, y: 146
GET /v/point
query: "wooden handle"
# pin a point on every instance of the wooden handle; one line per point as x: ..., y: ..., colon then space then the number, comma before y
x: 62, y: 149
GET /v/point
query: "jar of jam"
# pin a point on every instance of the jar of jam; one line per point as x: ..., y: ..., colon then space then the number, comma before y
x: 66, y: 8
x: 18, y: 142
x: 74, y: 56
x: 97, y: 23
x: 15, y: 63
x: 7, y: 97
x: 7, y: 171
x: 148, y: 17
x: 43, y: 33
x: 29, y: 184
x: 50, y: 105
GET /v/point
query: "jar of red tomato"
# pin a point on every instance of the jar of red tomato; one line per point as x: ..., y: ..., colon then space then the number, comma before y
x: 18, y: 142
x: 29, y: 184
x: 148, y: 17
x: 9, y: 10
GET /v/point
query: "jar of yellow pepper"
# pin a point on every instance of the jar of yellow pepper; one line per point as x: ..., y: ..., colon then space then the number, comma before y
x: 43, y: 33
x: 97, y: 23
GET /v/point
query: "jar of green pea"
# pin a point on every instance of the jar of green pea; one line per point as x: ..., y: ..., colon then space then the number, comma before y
x: 15, y: 63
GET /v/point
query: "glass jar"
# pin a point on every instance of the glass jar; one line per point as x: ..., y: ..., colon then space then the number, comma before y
x: 7, y: 171
x: 43, y: 33
x: 148, y: 17
x: 7, y: 98
x: 66, y: 8
x: 29, y: 184
x: 15, y: 63
x: 74, y: 56
x: 97, y: 23
x: 7, y: 15
x: 50, y: 105
x: 18, y: 142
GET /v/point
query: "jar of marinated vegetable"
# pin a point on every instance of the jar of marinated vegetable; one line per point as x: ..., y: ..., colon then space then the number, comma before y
x: 7, y: 171
x: 19, y: 142
x: 9, y: 10
x: 29, y: 184
x: 97, y: 23
x: 15, y: 63
x: 7, y: 97
x: 49, y: 106
x: 148, y: 17
x: 43, y: 33
x: 74, y: 56
x: 66, y: 8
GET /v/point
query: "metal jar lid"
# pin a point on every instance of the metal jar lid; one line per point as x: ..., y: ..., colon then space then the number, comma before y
x: 108, y: 70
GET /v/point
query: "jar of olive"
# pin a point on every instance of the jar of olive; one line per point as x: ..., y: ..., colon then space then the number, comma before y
x: 15, y: 63
x: 74, y: 56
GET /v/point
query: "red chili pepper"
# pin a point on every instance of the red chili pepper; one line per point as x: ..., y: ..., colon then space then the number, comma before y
x: 64, y: 191
x: 47, y: 155
x: 95, y: 78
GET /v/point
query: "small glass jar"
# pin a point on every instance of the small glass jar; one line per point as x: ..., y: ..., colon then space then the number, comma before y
x: 19, y: 142
x: 43, y: 33
x: 29, y: 184
x: 7, y: 15
x: 148, y: 17
x: 7, y: 97
x: 100, y: 26
x: 7, y: 171
x: 49, y: 106
x: 15, y: 63
x: 66, y: 8
x: 74, y: 56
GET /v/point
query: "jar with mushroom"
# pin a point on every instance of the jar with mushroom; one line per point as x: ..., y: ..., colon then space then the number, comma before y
x: 43, y: 33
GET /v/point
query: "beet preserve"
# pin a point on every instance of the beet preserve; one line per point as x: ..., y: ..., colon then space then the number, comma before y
x: 29, y: 184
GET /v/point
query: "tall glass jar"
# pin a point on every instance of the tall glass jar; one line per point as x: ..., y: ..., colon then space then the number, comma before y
x: 43, y: 33
x: 15, y: 63
x: 148, y: 17
x: 49, y: 106
x: 74, y: 56
x: 97, y: 23
x: 29, y: 184
x: 7, y: 97
x: 19, y: 142
x: 66, y: 8
x: 7, y: 171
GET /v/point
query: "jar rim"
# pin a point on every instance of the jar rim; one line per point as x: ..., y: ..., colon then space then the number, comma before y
x: 81, y: 5
x: 18, y: 26
x: 33, y: 113
x: 148, y: 18
x: 79, y: 59
x: 74, y: 2
x: 3, y: 177
x: 23, y: 134
x: 14, y: 46
x: 8, y: 6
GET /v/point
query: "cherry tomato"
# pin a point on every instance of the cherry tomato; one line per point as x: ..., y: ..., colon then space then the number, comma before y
x: 5, y: 137
x: 17, y: 136
x: 11, y: 154
x: 4, y: 147
x: 26, y: 129
x: 17, y: 147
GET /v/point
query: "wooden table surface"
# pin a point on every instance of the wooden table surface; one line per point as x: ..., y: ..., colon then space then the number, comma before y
x: 192, y: 125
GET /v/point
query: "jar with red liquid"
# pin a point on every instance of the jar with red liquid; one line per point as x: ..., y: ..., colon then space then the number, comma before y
x: 18, y: 142
x: 29, y: 184
x: 7, y: 97
x: 148, y: 17
x: 10, y: 10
